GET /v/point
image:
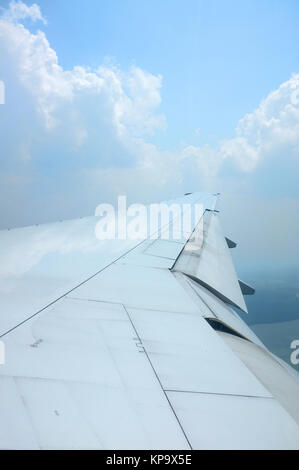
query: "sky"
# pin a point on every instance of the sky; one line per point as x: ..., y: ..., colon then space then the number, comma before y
x: 153, y: 99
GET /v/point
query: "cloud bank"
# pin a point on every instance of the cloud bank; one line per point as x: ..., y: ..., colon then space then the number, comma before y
x: 71, y: 139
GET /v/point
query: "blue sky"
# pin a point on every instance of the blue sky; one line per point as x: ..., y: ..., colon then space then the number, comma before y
x: 152, y: 99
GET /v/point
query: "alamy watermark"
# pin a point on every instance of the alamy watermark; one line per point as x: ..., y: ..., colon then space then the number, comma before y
x: 138, y: 221
x: 2, y: 92
x: 294, y: 358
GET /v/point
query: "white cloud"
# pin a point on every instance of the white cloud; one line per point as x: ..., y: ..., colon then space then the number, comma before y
x: 273, y: 125
x: 245, y: 155
x: 19, y: 11
x: 131, y: 97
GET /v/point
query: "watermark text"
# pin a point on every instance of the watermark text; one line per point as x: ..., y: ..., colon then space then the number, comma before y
x: 294, y: 358
x: 166, y: 221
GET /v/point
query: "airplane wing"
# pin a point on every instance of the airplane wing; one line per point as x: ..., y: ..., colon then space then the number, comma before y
x: 135, y: 344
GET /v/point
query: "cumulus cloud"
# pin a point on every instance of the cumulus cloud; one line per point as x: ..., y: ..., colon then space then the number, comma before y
x: 74, y: 121
x: 19, y: 11
x: 273, y: 125
x: 131, y: 97
x: 76, y: 137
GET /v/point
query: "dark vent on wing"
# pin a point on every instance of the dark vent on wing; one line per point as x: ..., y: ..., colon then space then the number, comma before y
x: 219, y: 326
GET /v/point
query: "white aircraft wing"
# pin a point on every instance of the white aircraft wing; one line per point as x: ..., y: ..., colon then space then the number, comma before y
x: 134, y: 344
